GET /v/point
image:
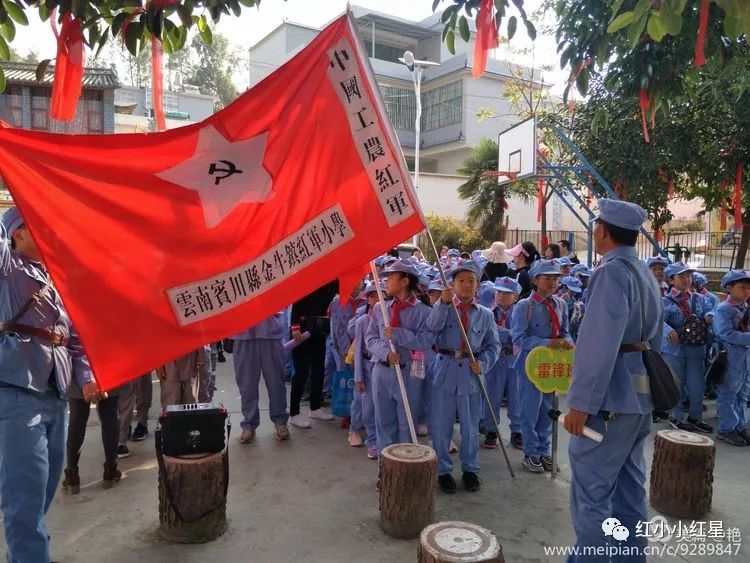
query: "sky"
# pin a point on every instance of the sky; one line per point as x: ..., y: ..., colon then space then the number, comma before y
x: 254, y: 24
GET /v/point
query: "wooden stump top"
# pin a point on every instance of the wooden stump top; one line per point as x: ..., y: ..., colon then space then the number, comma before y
x: 686, y: 438
x: 459, y: 542
x: 409, y: 453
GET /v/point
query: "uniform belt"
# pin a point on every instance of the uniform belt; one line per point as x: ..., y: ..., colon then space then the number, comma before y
x: 635, y: 347
x: 386, y: 364
x: 54, y: 338
x: 457, y: 354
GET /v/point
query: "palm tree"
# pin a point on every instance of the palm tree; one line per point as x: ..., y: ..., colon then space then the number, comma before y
x: 488, y: 200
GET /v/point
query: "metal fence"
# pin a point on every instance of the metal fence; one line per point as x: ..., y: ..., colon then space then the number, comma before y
x: 700, y: 249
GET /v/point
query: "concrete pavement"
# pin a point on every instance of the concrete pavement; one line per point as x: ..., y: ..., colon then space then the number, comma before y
x: 313, y: 499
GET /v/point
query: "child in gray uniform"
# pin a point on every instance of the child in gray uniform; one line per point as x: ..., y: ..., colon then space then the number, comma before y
x: 179, y: 379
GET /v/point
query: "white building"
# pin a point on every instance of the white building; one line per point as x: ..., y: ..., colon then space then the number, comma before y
x: 450, y: 98
x: 134, y: 111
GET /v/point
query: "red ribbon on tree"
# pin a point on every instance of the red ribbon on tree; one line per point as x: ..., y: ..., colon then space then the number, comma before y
x: 658, y: 235
x: 157, y: 83
x: 486, y: 37
x: 539, y: 200
x: 737, y: 199
x: 723, y: 219
x: 700, y: 57
x: 645, y: 102
x: 66, y: 89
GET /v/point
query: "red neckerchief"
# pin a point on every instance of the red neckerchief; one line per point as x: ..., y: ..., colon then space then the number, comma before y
x: 398, y: 306
x: 744, y: 320
x: 554, y: 319
x: 501, y: 315
x: 682, y: 299
x: 463, y: 310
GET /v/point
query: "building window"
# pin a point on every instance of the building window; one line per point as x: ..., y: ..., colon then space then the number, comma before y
x: 94, y: 103
x: 441, y: 106
x: 386, y: 52
x: 13, y: 107
x: 40, y: 98
x: 401, y: 106
x: 171, y: 102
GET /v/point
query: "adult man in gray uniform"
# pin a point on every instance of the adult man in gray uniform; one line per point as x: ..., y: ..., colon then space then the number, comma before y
x: 610, y: 389
x: 40, y: 358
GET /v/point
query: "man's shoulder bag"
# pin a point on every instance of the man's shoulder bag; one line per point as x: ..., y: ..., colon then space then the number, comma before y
x: 665, y: 390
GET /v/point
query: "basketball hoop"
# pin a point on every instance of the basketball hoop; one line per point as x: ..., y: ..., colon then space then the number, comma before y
x: 502, y: 173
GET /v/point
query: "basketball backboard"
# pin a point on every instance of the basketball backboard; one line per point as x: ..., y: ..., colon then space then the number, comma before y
x: 517, y: 151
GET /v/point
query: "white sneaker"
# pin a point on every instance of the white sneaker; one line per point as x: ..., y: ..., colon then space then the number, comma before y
x: 300, y: 421
x: 321, y: 414
x: 355, y: 440
x: 422, y: 430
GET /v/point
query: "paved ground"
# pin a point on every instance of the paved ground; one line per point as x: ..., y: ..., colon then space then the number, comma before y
x: 313, y: 499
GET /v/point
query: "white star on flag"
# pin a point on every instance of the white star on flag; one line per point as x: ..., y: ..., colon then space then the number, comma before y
x: 224, y: 173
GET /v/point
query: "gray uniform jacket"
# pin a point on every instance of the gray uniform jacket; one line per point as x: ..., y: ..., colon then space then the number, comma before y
x: 28, y: 361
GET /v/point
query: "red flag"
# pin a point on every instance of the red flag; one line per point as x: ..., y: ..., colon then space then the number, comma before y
x: 486, y: 39
x: 349, y: 280
x: 162, y: 242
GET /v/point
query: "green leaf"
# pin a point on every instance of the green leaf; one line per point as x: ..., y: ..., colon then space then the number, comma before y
x: 184, y: 15
x: 2, y: 80
x: 530, y: 30
x: 182, y: 38
x: 4, y: 49
x: 16, y: 12
x: 94, y: 35
x: 41, y: 69
x: 202, y: 24
x: 448, y: 13
x: 463, y: 29
x: 435, y: 4
x: 450, y: 42
x: 582, y: 82
x: 512, y: 24
x: 8, y: 29
x: 133, y: 37
x: 117, y: 23
x: 236, y: 8
x: 44, y: 12
x: 615, y: 8
x: 621, y: 21
x: 207, y: 36
x: 636, y: 30
x: 640, y: 8
x: 655, y: 28
x: 102, y: 43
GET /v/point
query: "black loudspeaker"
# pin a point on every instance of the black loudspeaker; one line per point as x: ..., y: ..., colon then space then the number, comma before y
x: 193, y: 429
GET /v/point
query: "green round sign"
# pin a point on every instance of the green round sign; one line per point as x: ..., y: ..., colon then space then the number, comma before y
x: 550, y: 370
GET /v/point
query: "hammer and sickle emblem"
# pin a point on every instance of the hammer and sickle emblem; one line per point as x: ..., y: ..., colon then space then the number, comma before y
x: 228, y: 170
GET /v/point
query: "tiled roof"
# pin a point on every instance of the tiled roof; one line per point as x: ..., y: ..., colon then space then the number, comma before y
x: 25, y: 73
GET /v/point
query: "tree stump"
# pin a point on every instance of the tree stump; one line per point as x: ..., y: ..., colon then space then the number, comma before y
x: 408, y: 479
x: 682, y: 474
x: 199, y: 513
x: 458, y: 542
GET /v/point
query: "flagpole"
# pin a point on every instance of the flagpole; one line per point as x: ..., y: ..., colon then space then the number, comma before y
x: 465, y: 337
x: 399, y: 375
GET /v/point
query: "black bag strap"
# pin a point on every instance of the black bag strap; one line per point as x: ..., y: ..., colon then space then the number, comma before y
x: 163, y: 473
x: 36, y: 297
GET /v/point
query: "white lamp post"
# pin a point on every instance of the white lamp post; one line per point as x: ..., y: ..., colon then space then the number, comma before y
x: 417, y: 68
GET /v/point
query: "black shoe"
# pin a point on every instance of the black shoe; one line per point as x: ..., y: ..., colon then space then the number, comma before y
x: 447, y: 483
x: 744, y: 434
x: 516, y: 440
x: 546, y: 462
x: 732, y: 438
x: 472, y: 483
x: 679, y: 425
x: 123, y: 451
x: 660, y: 415
x: 701, y: 426
x: 221, y: 358
x: 140, y: 433
x: 490, y: 440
